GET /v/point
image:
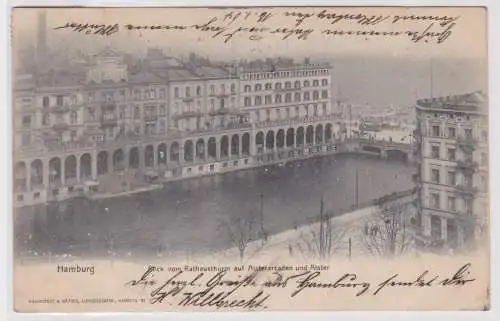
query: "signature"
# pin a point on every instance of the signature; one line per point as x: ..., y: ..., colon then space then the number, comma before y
x: 88, y: 29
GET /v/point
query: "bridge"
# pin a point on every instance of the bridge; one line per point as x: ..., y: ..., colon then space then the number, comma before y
x: 386, y: 149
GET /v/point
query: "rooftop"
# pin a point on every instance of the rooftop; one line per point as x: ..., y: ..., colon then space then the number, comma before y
x: 464, y: 102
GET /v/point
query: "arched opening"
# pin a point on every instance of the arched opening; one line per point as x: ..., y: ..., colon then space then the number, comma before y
x: 20, y: 176
x: 309, y: 134
x: 224, y: 146
x: 133, y: 157
x: 162, y: 154
x: 149, y: 156
x: 212, y: 147
x: 70, y: 168
x: 188, y: 151
x: 174, y: 152
x: 85, y: 166
x: 319, y: 134
x: 200, y: 149
x: 289, y: 137
x: 245, y: 144
x: 396, y: 154
x: 118, y: 160
x: 300, y: 136
x: 328, y: 133
x: 55, y: 170
x: 372, y: 149
x: 270, y: 140
x: 280, y: 138
x: 259, y: 141
x: 102, y: 163
x: 235, y: 145
x: 36, y: 173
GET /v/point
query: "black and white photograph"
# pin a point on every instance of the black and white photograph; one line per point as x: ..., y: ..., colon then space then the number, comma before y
x: 229, y: 159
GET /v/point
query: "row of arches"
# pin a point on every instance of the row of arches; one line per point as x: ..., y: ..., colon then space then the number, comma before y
x: 63, y: 170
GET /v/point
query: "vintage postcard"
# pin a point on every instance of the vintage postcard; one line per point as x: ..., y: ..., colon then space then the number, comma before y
x: 249, y: 159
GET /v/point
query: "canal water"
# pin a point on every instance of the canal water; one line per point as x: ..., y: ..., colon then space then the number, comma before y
x: 193, y: 216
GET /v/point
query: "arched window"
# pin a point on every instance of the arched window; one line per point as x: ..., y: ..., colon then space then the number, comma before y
x: 198, y: 91
x: 306, y: 83
x: 296, y: 97
x: 277, y: 86
x: 296, y: 84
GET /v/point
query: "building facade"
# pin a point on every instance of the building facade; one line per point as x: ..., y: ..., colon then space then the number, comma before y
x: 453, y: 168
x: 102, y: 131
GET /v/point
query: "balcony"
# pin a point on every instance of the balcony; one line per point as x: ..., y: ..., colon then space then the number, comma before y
x: 467, y: 143
x: 220, y: 111
x: 467, y: 165
x: 109, y: 122
x: 467, y: 191
x: 59, y: 126
x: 108, y: 105
x: 60, y: 109
x: 186, y: 114
x: 150, y: 118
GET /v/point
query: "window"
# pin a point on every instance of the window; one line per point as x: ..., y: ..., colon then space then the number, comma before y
x: 26, y: 139
x: 162, y: 94
x: 46, y: 119
x: 297, y: 111
x: 247, y: 101
x: 59, y: 100
x: 435, y: 152
x: 247, y: 88
x: 315, y: 95
x: 315, y: 110
x: 296, y: 97
x: 435, y: 201
x: 435, y: 131
x: 198, y: 91
x: 46, y: 101
x: 468, y: 133
x: 296, y: 84
x: 268, y: 115
x: 452, y: 204
x: 287, y: 112
x: 73, y: 135
x: 258, y: 100
x: 451, y: 178
x: 258, y: 87
x: 257, y: 118
x: 452, y: 132
x: 269, y: 86
x: 451, y: 154
x: 233, y: 88
x: 26, y: 121
x: 277, y: 86
x: 307, y: 96
x: 268, y: 99
x: 315, y: 83
x: 468, y: 180
x: 435, y: 175
x: 277, y: 99
x: 324, y: 94
x: 188, y: 91
x: 288, y: 85
x: 324, y: 82
x: 74, y: 117
x: 468, y: 207
x: 278, y: 116
x: 137, y: 94
x: 484, y: 159
x: 222, y: 89
x: 137, y: 112
x: 176, y: 92
x: 222, y: 104
x: 212, y: 104
x: 306, y: 83
x: 484, y: 135
x: 288, y: 97
x: 324, y: 109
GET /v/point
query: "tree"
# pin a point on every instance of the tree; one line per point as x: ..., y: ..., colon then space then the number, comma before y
x: 386, y: 232
x: 240, y: 231
x: 323, y: 239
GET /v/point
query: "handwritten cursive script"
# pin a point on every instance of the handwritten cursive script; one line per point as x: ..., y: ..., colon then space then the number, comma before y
x: 256, y: 25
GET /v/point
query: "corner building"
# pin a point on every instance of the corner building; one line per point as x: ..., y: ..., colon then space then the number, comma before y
x: 453, y: 168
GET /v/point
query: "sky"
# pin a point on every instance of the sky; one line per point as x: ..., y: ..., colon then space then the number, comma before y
x: 467, y: 38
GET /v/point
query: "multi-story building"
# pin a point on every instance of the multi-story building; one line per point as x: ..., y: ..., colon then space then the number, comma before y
x: 453, y: 170
x: 103, y: 130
